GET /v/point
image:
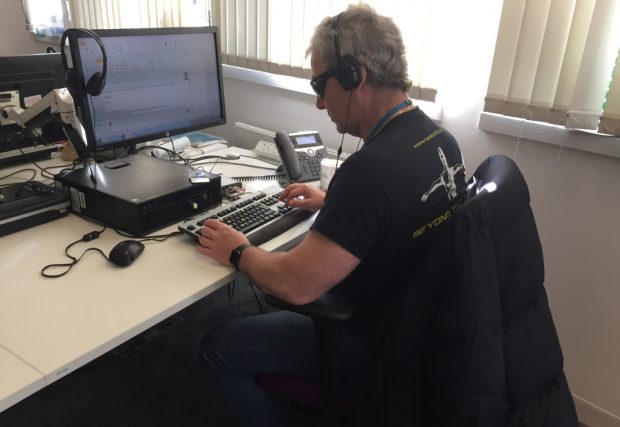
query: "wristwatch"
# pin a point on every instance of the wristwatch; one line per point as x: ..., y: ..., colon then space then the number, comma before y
x: 235, y: 254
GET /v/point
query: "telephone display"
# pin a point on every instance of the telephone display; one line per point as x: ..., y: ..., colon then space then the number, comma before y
x: 301, y: 155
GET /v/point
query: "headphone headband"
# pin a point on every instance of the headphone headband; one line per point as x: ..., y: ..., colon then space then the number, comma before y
x: 347, y: 68
x: 96, y: 82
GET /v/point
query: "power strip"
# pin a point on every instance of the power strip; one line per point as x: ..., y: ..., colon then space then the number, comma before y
x: 267, y: 150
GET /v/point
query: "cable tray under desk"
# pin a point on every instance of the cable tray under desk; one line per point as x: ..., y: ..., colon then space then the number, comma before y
x: 260, y: 215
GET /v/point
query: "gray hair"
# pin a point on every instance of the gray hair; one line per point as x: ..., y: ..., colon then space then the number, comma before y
x: 374, y: 41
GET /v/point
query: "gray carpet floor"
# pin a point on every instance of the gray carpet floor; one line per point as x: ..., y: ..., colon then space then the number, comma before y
x: 151, y: 380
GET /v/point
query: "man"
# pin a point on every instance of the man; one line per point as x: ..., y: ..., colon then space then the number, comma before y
x: 374, y: 223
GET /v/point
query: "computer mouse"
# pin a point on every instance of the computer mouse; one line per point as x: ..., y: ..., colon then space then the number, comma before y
x: 126, y: 252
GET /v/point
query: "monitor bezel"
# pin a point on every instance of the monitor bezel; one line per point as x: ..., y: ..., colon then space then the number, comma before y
x: 17, y: 70
x: 33, y: 76
x: 81, y: 98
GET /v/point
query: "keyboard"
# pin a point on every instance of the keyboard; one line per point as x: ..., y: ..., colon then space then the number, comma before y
x: 259, y: 215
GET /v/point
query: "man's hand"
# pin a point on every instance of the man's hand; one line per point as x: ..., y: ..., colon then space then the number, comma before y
x: 305, y: 196
x: 218, y: 240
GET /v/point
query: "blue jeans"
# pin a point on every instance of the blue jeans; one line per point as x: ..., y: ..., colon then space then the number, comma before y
x: 280, y: 342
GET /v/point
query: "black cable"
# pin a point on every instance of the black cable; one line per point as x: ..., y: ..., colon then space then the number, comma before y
x: 45, y: 189
x: 154, y: 238
x: 74, y: 164
x: 208, y: 156
x: 51, y: 175
x: 230, y: 288
x: 69, y: 265
x: 34, y: 135
x: 34, y: 171
x: 346, y: 122
x: 172, y: 143
x: 87, y: 238
x: 260, y: 306
x: 174, y: 153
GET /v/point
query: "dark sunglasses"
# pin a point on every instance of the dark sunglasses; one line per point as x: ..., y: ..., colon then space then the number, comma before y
x: 318, y: 83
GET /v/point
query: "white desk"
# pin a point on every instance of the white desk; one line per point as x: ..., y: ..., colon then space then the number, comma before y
x: 19, y: 380
x: 51, y: 327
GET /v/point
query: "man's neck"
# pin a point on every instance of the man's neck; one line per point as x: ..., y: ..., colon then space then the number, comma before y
x: 380, y: 102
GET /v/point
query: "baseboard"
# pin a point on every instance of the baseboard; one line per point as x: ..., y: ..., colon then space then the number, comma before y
x: 591, y: 415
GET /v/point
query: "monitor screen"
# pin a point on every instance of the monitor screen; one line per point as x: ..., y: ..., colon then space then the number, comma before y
x: 25, y: 79
x: 159, y: 82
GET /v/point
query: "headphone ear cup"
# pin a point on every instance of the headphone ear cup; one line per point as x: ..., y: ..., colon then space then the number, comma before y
x: 348, y: 73
x: 95, y: 84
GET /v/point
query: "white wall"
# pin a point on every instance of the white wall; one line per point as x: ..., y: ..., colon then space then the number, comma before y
x: 575, y: 195
x: 575, y: 198
x: 14, y: 38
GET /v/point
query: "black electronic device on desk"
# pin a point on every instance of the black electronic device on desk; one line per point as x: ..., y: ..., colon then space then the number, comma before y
x: 301, y: 155
x: 25, y: 79
x: 259, y: 215
x: 139, y: 194
x: 27, y: 204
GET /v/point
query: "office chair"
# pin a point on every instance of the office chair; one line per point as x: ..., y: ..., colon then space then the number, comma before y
x: 324, y: 398
x: 471, y: 342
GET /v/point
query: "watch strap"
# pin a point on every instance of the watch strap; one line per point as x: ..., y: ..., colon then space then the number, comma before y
x: 235, y: 254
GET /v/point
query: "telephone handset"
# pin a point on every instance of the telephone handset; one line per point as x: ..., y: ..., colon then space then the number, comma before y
x: 301, y: 155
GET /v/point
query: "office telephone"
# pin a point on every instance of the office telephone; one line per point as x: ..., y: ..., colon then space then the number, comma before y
x: 301, y: 155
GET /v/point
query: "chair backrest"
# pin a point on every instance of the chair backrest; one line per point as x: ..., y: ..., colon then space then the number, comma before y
x: 472, y: 342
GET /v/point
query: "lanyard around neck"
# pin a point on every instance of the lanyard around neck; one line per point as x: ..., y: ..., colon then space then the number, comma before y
x: 394, y: 112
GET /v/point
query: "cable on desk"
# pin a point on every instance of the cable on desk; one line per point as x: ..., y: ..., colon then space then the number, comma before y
x: 34, y: 174
x: 172, y: 154
x: 63, y: 166
x: 69, y: 265
x: 149, y: 238
x: 36, y: 136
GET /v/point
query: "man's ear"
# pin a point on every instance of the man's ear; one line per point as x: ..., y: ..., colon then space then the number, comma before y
x: 363, y: 75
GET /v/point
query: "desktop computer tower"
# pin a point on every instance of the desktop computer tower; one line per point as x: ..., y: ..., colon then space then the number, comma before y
x: 138, y: 194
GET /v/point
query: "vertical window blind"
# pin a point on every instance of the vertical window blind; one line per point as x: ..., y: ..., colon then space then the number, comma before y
x: 272, y: 35
x: 99, y: 14
x: 554, y: 62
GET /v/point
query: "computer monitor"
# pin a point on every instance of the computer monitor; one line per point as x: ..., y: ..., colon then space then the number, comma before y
x: 24, y: 79
x: 160, y: 82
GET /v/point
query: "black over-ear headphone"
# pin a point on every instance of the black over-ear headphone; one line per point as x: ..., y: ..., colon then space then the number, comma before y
x: 347, y: 69
x: 96, y: 82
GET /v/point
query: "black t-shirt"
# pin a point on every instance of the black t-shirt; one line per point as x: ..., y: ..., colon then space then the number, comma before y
x: 385, y: 202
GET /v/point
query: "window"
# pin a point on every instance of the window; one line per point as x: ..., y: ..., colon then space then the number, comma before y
x: 554, y: 62
x: 45, y: 18
x: 272, y: 35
